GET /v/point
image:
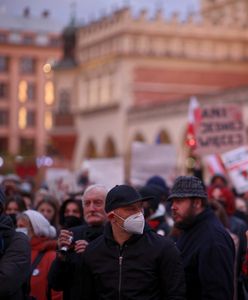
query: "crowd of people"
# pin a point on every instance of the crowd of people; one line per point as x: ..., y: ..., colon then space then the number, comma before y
x: 187, y: 241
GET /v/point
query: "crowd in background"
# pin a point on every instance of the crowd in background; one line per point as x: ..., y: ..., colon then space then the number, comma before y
x: 42, y: 216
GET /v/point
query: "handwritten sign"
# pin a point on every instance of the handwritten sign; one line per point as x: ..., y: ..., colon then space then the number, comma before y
x: 220, y: 129
x: 236, y: 164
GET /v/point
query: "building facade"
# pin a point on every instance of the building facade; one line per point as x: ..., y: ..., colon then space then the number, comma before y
x: 135, y: 75
x: 28, y: 47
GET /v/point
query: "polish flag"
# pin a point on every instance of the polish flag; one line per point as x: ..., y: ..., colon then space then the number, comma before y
x: 215, y: 164
x: 194, y: 117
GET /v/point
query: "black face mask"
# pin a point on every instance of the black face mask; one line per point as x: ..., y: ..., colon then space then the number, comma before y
x: 72, y: 221
x: 13, y: 218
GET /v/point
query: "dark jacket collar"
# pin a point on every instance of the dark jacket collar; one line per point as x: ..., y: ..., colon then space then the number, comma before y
x: 200, y: 218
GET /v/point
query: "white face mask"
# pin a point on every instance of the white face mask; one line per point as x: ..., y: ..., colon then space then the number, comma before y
x: 23, y: 230
x: 134, y: 223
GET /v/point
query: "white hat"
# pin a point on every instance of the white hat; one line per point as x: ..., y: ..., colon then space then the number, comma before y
x: 40, y: 224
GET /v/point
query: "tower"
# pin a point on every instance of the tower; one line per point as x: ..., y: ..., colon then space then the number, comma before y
x: 229, y: 12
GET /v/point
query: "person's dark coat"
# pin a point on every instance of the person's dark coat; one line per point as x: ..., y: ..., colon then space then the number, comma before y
x: 207, y: 251
x: 15, y: 261
x: 61, y: 276
x: 146, y: 267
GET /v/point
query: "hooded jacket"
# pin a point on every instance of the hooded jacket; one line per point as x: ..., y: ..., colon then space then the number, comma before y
x: 14, y: 261
x: 39, y: 282
x: 146, y: 267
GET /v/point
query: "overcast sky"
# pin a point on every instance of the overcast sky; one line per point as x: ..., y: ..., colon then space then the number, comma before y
x: 88, y: 9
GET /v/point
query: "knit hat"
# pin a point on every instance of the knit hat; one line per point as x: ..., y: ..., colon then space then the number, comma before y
x: 159, y: 182
x: 40, y: 224
x: 188, y: 187
x: 122, y: 195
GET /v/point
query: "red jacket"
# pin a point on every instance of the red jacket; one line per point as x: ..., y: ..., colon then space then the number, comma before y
x: 39, y: 276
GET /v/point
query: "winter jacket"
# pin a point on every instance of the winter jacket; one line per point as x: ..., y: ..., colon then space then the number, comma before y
x: 14, y: 261
x: 39, y: 282
x: 61, y: 275
x: 208, y: 252
x: 146, y: 267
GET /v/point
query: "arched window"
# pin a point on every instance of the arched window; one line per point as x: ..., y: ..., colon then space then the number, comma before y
x: 109, y: 148
x: 64, y: 102
x: 90, y: 151
x: 139, y: 137
x: 163, y: 137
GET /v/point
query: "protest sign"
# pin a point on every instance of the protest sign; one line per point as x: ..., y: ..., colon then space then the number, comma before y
x: 149, y: 160
x: 236, y: 164
x: 61, y: 182
x: 106, y: 171
x: 220, y: 129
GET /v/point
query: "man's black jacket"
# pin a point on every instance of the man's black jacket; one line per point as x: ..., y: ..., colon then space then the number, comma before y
x: 146, y: 267
x: 61, y: 276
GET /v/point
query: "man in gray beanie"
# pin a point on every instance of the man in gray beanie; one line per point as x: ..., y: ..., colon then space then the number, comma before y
x: 207, y: 249
x: 15, y: 256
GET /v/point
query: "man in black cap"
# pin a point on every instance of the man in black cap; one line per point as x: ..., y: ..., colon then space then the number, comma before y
x: 207, y: 249
x: 130, y: 261
x: 15, y: 258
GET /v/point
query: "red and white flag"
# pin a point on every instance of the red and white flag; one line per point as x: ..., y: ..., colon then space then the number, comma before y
x: 194, y: 117
x: 214, y: 164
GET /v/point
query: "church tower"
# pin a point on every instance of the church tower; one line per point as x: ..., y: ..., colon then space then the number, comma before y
x: 226, y: 12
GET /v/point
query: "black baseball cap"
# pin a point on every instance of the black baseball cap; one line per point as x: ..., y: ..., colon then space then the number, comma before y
x: 122, y: 195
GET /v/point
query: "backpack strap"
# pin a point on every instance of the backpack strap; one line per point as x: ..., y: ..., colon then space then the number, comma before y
x: 27, y: 287
x: 36, y: 261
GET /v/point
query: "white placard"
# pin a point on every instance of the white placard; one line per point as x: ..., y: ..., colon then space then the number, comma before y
x: 106, y: 171
x: 236, y: 163
x: 150, y: 160
x: 61, y: 182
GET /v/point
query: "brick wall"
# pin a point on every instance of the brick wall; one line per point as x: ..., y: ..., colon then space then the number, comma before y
x: 158, y: 85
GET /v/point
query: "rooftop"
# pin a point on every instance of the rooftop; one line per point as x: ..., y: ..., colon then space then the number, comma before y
x: 27, y: 22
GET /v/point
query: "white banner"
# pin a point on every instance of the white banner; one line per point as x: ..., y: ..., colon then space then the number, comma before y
x: 150, y: 160
x: 236, y: 163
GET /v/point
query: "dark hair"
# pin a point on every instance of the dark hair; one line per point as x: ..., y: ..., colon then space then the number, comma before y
x: 204, y: 201
x: 53, y: 202
x: 218, y: 176
x: 18, y: 200
x: 220, y: 213
x: 63, y: 208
